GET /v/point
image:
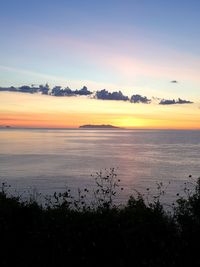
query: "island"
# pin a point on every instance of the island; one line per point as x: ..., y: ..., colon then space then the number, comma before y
x: 101, y: 126
x: 3, y: 127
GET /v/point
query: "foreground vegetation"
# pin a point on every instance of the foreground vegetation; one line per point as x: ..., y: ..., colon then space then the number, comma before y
x: 72, y: 231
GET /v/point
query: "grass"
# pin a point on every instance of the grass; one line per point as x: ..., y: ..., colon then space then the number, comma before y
x: 71, y: 231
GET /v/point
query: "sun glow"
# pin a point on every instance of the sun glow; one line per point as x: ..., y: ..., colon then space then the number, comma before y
x: 33, y: 110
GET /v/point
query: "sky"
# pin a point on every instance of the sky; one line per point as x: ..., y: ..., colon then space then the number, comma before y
x: 136, y: 46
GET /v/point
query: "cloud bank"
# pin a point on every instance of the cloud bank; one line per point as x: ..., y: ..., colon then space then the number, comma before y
x: 173, y: 101
x: 45, y: 89
x: 103, y: 94
x: 140, y: 99
x: 58, y: 91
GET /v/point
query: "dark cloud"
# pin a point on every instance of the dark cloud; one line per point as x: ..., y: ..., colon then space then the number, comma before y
x: 83, y: 91
x: 9, y: 89
x: 28, y: 89
x: 182, y: 101
x: 58, y: 91
x: 44, y: 89
x: 140, y: 99
x: 174, y: 81
x: 167, y: 102
x: 102, y: 94
x: 173, y: 101
x: 68, y: 92
x: 105, y: 95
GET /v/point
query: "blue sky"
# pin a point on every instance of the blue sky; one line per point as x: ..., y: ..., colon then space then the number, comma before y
x: 133, y: 46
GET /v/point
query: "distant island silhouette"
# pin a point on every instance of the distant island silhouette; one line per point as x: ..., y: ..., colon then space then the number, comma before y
x: 101, y: 126
x: 6, y: 126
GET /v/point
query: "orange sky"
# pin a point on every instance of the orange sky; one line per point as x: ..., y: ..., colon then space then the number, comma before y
x: 33, y: 110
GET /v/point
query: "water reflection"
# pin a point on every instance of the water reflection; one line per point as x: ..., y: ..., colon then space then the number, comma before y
x: 48, y: 159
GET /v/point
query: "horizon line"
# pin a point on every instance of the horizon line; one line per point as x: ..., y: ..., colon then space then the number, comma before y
x: 9, y: 127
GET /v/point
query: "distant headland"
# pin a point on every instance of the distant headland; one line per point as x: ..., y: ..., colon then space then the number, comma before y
x: 7, y: 126
x: 101, y: 126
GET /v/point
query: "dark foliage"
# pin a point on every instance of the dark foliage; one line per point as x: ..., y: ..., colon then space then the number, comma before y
x: 70, y: 231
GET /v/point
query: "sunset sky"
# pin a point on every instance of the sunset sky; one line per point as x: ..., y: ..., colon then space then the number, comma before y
x: 136, y: 46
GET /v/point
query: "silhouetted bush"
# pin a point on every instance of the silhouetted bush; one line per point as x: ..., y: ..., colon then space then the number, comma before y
x: 71, y: 231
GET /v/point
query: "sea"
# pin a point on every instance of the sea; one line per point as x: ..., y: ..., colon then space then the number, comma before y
x: 50, y: 160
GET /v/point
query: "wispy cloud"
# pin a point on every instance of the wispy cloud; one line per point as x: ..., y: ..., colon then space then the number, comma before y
x: 54, y: 80
x: 32, y: 73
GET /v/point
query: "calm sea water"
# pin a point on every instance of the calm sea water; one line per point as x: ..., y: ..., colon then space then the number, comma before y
x: 48, y: 159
